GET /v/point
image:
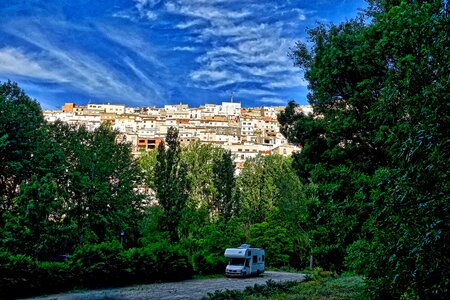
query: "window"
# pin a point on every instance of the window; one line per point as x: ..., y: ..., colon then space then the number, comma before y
x: 255, y: 259
x: 237, y: 261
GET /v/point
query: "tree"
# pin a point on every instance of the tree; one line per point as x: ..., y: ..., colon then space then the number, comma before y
x: 21, y: 120
x: 376, y: 144
x: 171, y: 183
x: 272, y: 196
x: 104, y: 179
x: 224, y: 182
x: 265, y: 183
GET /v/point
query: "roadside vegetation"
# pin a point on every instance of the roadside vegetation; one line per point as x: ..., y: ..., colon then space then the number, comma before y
x: 368, y: 193
x: 320, y: 285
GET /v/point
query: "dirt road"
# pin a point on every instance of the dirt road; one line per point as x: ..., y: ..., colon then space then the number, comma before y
x: 189, y: 289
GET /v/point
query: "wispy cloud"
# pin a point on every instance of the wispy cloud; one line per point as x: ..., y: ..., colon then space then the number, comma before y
x: 84, y: 72
x: 185, y: 48
x: 146, y: 9
x: 15, y: 62
x: 189, y: 24
x: 241, y: 47
x: 213, y: 79
x: 154, y: 49
x: 273, y: 101
x: 255, y: 92
x: 301, y: 14
x: 287, y: 82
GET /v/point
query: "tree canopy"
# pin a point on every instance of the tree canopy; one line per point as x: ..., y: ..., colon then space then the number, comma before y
x: 377, y: 144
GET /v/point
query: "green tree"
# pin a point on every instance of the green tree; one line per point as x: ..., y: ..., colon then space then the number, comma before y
x: 224, y: 181
x: 272, y: 196
x: 265, y: 183
x: 171, y: 183
x: 21, y: 120
x: 377, y: 144
x: 147, y: 162
x: 200, y: 210
x: 99, y: 183
x: 200, y: 160
x: 37, y: 226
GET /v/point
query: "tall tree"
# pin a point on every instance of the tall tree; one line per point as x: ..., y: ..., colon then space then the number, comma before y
x: 377, y: 143
x: 21, y: 121
x: 105, y: 178
x: 224, y: 182
x: 171, y: 183
x: 266, y: 183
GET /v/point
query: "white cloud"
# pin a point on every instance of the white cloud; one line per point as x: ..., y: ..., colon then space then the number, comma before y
x: 301, y: 14
x: 145, y: 8
x: 209, y: 76
x: 82, y: 71
x: 273, y: 101
x: 256, y: 92
x: 189, y: 49
x: 204, y: 10
x: 16, y: 63
x: 189, y: 24
x: 287, y: 82
x: 235, y: 42
x: 146, y: 81
x: 134, y: 43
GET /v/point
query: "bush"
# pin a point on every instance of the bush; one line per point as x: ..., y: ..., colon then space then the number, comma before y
x: 93, y: 266
x: 101, y: 265
x: 158, y: 262
x: 22, y: 276
x: 210, y: 264
x: 258, y: 290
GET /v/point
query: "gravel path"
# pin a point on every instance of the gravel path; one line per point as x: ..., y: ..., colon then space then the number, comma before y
x: 189, y: 289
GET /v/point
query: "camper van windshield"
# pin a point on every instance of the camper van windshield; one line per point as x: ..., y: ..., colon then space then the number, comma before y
x: 237, y: 261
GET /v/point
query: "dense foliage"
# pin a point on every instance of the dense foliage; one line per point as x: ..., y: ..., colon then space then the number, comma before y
x: 67, y: 190
x: 377, y: 145
x: 92, y: 266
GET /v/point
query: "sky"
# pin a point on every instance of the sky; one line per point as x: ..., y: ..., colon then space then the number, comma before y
x: 158, y: 52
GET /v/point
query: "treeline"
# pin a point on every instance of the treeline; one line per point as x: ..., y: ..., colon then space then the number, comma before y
x: 66, y: 190
x: 377, y: 146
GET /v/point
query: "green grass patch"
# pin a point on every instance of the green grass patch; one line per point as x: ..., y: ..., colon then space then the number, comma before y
x: 331, y: 288
x: 322, y: 285
x: 210, y: 276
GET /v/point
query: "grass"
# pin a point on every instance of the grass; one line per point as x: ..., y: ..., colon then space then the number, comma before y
x: 198, y: 276
x: 342, y: 287
x: 323, y: 285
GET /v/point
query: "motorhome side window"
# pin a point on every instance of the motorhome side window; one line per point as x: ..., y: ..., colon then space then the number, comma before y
x: 255, y: 259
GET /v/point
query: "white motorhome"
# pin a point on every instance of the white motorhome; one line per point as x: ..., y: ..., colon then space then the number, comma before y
x: 244, y: 261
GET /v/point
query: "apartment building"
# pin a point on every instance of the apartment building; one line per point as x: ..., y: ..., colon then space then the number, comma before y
x: 246, y: 132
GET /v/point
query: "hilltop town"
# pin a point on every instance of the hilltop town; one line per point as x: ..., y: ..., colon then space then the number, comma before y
x: 246, y: 132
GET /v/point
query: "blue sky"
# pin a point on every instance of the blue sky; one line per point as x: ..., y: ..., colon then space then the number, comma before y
x: 157, y: 52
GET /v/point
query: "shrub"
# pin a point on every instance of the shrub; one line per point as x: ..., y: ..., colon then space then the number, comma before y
x: 158, y: 262
x: 210, y: 264
x: 258, y: 290
x: 101, y: 265
x: 22, y: 276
